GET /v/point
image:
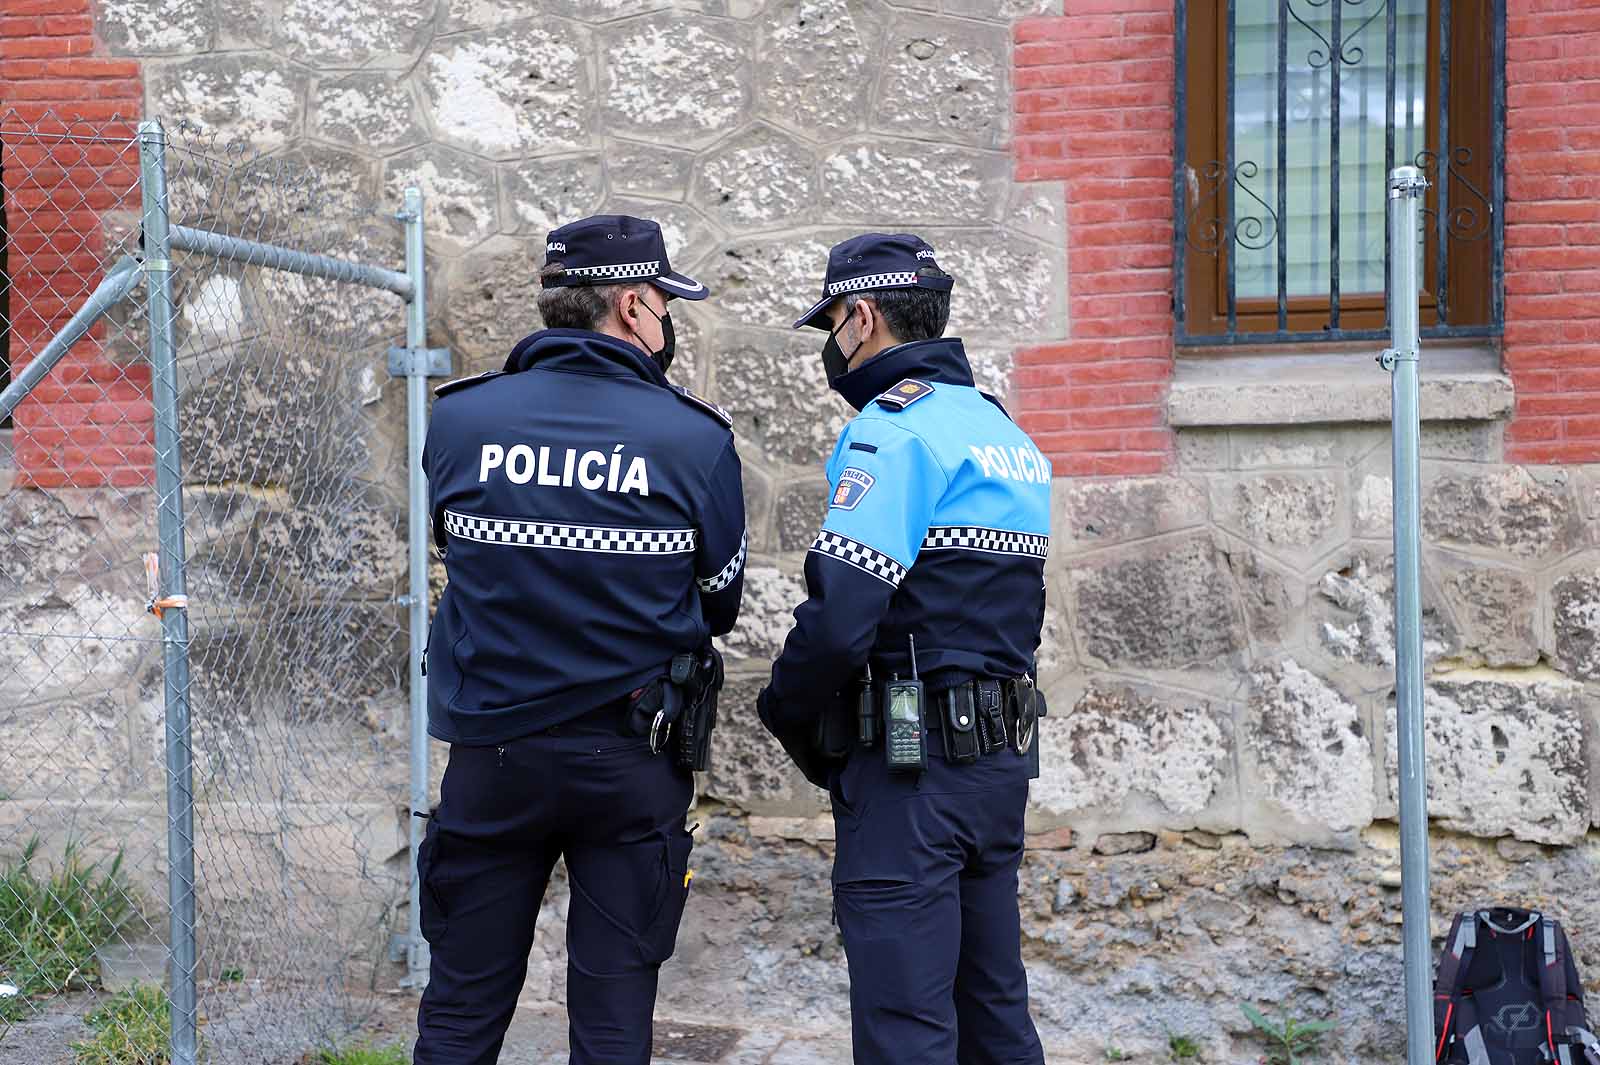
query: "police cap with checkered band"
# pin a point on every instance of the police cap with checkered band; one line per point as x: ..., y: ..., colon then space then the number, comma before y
x: 615, y: 249
x: 875, y: 261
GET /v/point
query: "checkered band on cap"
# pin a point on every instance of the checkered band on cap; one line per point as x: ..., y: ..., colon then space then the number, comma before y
x: 616, y: 271
x: 726, y: 575
x: 898, y: 279
x: 860, y: 556
x: 569, y: 537
x: 979, y: 538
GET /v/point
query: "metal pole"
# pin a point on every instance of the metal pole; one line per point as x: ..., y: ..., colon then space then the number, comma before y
x: 1406, y: 187
x: 175, y: 619
x: 417, y: 957
x: 118, y: 282
x: 254, y: 253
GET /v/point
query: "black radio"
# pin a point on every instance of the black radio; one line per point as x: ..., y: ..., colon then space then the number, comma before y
x: 905, y: 742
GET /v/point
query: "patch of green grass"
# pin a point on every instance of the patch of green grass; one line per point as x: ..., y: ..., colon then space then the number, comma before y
x: 364, y: 1054
x: 51, y: 923
x: 1114, y: 1052
x: 1289, y: 1041
x: 1183, y: 1047
x: 130, y: 1028
x: 232, y: 975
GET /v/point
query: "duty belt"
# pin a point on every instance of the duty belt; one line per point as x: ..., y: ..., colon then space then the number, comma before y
x: 986, y: 715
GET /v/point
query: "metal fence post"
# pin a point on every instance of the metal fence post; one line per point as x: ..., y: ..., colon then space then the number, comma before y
x: 417, y: 371
x: 1406, y: 186
x: 173, y: 589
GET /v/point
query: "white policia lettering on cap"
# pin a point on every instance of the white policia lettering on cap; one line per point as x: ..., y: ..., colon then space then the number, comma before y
x: 555, y: 245
x: 1012, y: 464
x: 590, y: 470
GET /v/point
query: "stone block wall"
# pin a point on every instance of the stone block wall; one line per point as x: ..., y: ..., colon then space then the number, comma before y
x: 1215, y: 822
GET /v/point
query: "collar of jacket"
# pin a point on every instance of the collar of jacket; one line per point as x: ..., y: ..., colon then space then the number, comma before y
x: 939, y: 361
x: 583, y: 351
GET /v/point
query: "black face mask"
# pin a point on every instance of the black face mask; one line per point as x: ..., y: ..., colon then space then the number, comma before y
x: 835, y: 363
x: 669, y: 341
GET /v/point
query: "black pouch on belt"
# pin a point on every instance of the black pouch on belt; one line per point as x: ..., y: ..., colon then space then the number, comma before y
x: 659, y: 705
x: 991, y: 715
x: 960, y: 724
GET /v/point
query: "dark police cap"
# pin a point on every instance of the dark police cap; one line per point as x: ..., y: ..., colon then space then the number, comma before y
x: 615, y: 249
x: 875, y: 261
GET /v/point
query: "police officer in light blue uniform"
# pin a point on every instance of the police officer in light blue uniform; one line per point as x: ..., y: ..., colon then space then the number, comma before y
x: 591, y: 519
x: 929, y: 565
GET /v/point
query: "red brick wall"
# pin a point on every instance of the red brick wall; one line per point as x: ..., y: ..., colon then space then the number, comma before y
x: 1552, y: 340
x: 1094, y: 110
x: 89, y: 422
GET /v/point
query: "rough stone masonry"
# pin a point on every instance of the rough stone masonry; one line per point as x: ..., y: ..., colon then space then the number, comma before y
x: 1215, y: 822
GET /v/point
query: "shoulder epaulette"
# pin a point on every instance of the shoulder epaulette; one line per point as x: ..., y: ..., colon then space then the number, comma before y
x: 463, y: 382
x: 904, y: 394
x: 703, y: 404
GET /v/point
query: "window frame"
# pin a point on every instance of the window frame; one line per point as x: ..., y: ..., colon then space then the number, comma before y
x: 1202, y: 315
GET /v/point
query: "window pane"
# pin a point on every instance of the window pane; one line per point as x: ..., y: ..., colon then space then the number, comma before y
x: 1306, y: 69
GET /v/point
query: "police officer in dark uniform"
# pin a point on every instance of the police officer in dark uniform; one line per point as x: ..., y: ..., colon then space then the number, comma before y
x: 591, y: 519
x: 929, y: 572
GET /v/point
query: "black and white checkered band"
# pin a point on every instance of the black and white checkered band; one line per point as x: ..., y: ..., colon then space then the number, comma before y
x: 978, y: 538
x: 899, y: 279
x: 726, y: 575
x: 569, y: 537
x: 860, y: 556
x: 616, y: 271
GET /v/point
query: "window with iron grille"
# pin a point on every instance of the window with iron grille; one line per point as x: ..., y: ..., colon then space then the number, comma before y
x: 1291, y: 113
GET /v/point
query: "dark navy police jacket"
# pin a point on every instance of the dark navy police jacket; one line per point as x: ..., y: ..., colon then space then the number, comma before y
x: 591, y: 519
x: 938, y: 526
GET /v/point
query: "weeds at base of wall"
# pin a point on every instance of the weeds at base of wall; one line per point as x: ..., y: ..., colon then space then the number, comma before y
x: 362, y: 1054
x: 51, y: 925
x: 1290, y: 1042
x: 132, y: 1028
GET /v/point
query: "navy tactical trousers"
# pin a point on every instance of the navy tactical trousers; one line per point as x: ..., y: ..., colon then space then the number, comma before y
x: 925, y: 887
x: 585, y: 792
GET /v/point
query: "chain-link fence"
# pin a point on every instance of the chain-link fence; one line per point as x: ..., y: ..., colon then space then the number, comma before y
x: 203, y: 568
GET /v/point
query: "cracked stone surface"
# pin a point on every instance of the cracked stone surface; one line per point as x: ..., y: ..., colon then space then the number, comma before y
x: 1503, y: 508
x: 494, y: 304
x: 253, y: 99
x: 368, y: 109
x: 817, y: 58
x: 1311, y: 747
x: 1505, y: 757
x: 459, y: 202
x: 1119, y: 741
x: 1353, y: 609
x: 801, y: 509
x: 762, y: 176
x: 1288, y: 512
x: 509, y: 91
x: 681, y: 77
x: 155, y: 27
x: 925, y: 185
x: 546, y: 193
x: 1170, y: 607
x: 946, y: 75
x: 766, y: 615
x: 758, y: 374
x: 1496, y: 608
x: 1575, y: 603
x: 1094, y: 512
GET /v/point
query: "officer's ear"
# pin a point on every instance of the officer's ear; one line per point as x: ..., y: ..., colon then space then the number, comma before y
x: 866, y: 316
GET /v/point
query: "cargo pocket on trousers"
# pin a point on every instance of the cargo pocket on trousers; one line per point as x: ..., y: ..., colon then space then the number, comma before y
x: 660, y: 939
x: 432, y: 917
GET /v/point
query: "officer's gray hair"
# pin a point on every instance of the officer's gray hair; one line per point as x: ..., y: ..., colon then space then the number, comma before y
x: 909, y: 313
x: 577, y: 306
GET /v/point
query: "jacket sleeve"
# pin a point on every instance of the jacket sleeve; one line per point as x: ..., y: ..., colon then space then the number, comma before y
x: 719, y: 557
x: 884, y: 485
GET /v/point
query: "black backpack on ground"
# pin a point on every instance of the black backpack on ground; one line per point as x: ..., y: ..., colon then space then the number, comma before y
x: 1507, y: 993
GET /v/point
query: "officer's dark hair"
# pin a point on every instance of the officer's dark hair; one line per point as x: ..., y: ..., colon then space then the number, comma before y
x: 576, y: 306
x: 909, y: 313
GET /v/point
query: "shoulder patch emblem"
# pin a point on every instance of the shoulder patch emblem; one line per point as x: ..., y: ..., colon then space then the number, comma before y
x: 904, y: 394
x: 854, y: 484
x: 465, y: 382
x: 704, y: 404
